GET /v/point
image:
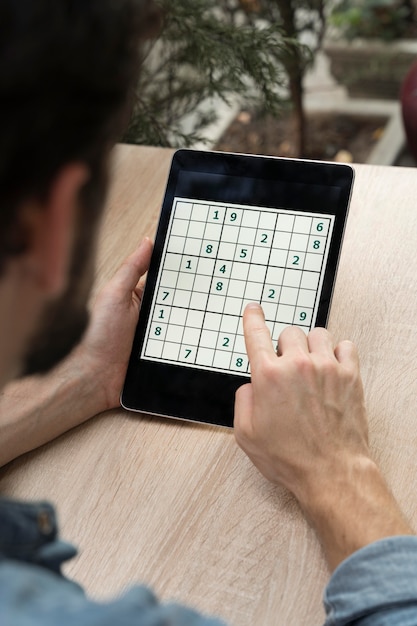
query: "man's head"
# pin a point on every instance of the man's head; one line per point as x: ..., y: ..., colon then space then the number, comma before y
x: 68, y: 69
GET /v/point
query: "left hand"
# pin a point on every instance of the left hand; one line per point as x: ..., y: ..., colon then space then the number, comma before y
x: 107, y: 344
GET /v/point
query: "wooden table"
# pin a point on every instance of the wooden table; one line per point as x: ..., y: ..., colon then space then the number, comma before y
x: 179, y: 506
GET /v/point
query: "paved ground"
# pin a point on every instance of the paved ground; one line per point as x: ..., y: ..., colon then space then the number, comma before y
x: 323, y: 93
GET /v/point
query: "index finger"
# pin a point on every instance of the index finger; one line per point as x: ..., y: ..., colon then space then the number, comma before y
x: 257, y: 336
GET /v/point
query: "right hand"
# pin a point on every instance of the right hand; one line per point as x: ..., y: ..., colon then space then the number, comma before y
x: 303, y: 415
x: 303, y: 423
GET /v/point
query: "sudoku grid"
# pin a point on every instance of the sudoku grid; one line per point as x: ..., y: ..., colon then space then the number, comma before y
x: 218, y: 257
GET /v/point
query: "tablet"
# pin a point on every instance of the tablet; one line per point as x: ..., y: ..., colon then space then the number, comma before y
x: 233, y: 229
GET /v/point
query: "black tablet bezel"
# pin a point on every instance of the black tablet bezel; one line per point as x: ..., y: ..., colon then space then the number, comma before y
x: 188, y: 393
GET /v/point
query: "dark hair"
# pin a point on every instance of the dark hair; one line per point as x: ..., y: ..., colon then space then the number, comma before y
x: 67, y: 68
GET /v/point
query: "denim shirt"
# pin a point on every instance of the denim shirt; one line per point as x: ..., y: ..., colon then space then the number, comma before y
x: 375, y: 586
x: 33, y: 592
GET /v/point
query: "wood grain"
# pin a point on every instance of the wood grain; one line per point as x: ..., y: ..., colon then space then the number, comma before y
x: 179, y: 506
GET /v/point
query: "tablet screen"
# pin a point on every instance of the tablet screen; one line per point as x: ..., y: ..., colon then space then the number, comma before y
x: 233, y: 229
x: 217, y: 257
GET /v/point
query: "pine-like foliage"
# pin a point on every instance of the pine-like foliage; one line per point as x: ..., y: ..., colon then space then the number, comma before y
x: 300, y: 21
x: 209, y: 49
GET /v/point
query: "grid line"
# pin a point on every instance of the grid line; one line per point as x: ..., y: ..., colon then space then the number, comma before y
x: 273, y: 256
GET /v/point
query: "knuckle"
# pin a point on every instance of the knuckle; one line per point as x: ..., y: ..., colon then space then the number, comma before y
x: 328, y: 367
x: 325, y: 368
x: 303, y: 363
x: 269, y: 370
x: 243, y: 431
x: 259, y: 330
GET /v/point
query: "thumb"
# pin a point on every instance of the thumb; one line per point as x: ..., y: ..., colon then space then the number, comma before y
x: 243, y: 411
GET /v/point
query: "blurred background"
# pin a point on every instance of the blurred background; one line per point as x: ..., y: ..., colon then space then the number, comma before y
x: 321, y: 79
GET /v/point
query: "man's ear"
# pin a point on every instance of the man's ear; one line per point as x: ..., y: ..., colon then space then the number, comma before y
x: 51, y: 229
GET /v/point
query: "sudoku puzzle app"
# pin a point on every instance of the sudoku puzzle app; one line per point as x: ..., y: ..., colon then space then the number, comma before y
x: 218, y: 257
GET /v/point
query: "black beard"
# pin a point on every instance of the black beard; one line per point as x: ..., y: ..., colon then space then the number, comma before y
x: 65, y: 320
x: 62, y: 328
